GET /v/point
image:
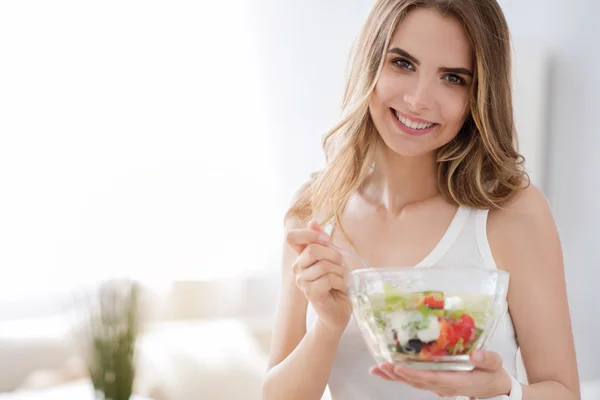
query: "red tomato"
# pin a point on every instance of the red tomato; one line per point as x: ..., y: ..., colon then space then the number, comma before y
x: 434, y: 302
x: 464, y: 328
x: 453, y: 335
x: 467, y: 320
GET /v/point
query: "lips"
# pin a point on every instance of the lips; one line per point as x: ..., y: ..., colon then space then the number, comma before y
x: 411, y: 122
x: 412, y: 126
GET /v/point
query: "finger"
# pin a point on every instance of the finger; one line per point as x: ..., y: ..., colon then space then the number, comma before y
x: 299, y: 238
x: 316, y: 252
x: 486, y: 360
x: 377, y: 372
x: 325, y: 284
x: 317, y: 290
x: 336, y: 282
x: 391, y: 371
x: 448, y: 383
x: 412, y: 375
x: 314, y: 225
x: 429, y: 380
x: 320, y: 269
x: 326, y: 279
x: 322, y: 285
x: 388, y: 370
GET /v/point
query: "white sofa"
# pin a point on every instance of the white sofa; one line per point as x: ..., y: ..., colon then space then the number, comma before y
x: 30, y: 345
x: 176, y: 360
x: 77, y: 390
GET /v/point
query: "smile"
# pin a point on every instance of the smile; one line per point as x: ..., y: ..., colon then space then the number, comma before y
x: 414, y: 127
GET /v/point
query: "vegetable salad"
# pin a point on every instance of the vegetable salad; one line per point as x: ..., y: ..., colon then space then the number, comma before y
x: 429, y: 324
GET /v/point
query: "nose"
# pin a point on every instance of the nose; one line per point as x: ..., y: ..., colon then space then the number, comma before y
x: 419, y: 99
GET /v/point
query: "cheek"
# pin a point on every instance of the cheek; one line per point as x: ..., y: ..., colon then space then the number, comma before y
x: 455, y: 109
x: 390, y: 88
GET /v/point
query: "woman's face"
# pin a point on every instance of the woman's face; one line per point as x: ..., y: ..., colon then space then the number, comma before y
x: 420, y: 101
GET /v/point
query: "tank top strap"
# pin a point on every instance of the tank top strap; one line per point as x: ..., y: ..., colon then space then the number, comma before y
x: 328, y: 229
x: 328, y: 226
x: 482, y: 239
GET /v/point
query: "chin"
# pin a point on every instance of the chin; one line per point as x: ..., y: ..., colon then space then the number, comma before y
x: 407, y: 148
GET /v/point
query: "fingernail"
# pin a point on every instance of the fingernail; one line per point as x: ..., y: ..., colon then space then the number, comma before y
x: 323, y: 237
x: 478, y: 356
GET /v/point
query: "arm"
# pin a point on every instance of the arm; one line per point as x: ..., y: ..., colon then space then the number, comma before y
x: 300, y: 362
x: 524, y: 241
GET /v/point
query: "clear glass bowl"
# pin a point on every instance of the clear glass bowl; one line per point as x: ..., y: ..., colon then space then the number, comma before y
x: 427, y: 318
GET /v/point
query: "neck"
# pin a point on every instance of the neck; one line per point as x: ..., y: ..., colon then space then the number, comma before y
x: 398, y: 181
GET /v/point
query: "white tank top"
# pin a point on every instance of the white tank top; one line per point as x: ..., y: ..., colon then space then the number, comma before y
x: 464, y: 243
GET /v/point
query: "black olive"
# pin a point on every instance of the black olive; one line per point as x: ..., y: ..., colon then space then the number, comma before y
x: 413, y: 346
x: 416, y: 344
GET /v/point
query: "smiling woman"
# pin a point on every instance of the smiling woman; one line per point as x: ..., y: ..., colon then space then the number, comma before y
x: 422, y: 170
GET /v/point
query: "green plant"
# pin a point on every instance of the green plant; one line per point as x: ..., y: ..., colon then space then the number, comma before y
x: 112, y: 328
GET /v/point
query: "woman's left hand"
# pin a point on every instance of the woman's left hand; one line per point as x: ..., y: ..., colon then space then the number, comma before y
x: 488, y: 379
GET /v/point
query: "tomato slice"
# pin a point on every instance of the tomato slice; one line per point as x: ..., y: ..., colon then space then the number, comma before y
x: 464, y: 328
x: 454, y: 335
x: 467, y: 320
x: 434, y: 301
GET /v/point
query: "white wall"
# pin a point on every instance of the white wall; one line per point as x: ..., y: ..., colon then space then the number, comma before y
x: 306, y: 45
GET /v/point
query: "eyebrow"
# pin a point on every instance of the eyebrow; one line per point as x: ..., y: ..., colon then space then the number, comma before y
x: 405, y: 54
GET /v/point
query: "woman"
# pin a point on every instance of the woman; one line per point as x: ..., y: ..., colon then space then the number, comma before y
x: 422, y: 170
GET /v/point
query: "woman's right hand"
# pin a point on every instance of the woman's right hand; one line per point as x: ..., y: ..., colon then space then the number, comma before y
x: 320, y: 275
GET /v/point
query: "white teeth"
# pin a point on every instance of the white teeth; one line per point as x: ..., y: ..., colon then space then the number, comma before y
x: 412, y: 124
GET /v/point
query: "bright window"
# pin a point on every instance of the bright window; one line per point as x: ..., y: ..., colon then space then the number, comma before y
x: 134, y: 139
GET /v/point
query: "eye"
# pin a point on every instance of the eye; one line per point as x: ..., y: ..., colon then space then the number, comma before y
x: 404, y: 64
x: 455, y: 79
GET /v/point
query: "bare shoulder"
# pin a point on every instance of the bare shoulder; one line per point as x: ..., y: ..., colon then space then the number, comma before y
x: 528, y: 206
x: 525, y: 242
x: 523, y: 228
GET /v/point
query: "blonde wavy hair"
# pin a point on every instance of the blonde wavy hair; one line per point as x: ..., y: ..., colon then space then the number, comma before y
x: 480, y: 168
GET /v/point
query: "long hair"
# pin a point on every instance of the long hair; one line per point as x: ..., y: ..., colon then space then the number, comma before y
x: 480, y: 168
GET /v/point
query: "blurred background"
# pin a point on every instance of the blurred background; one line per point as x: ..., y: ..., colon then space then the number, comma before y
x: 162, y: 141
